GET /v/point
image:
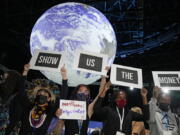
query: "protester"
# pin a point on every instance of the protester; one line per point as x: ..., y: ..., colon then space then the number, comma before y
x: 36, y: 117
x: 162, y: 121
x: 9, y: 86
x: 82, y: 93
x: 116, y: 116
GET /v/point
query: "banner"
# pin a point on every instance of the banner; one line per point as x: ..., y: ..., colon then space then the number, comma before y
x: 74, y: 110
x: 167, y: 79
x: 126, y: 76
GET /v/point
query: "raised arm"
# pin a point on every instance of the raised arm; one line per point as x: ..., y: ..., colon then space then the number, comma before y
x: 64, y: 86
x: 90, y: 107
x: 102, y: 111
x: 102, y: 86
x: 22, y: 93
x: 153, y: 104
x: 145, y: 107
x: 26, y: 70
x: 144, y: 93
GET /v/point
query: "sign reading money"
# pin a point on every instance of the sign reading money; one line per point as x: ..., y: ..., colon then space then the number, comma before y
x: 126, y: 76
x: 46, y: 60
x: 90, y: 62
x: 167, y: 79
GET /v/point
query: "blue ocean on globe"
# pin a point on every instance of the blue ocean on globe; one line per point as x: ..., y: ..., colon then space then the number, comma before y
x: 68, y: 27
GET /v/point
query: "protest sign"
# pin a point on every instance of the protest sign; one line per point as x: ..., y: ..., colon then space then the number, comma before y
x: 91, y: 62
x: 167, y: 79
x: 72, y: 109
x: 46, y: 60
x: 126, y: 76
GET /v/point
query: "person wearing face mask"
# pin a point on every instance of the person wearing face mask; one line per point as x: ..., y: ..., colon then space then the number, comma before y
x: 36, y: 116
x: 72, y: 127
x: 82, y: 93
x: 117, y: 117
x: 162, y: 121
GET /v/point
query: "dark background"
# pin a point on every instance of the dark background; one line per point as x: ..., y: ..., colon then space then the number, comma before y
x: 148, y: 34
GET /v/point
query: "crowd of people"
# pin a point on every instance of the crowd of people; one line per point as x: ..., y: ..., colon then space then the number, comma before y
x: 38, y: 114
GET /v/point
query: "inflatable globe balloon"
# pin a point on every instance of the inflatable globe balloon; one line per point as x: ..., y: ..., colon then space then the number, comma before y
x: 68, y: 27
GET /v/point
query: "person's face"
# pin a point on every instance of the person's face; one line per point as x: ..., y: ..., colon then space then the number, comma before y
x: 165, y: 99
x: 83, y: 89
x: 44, y: 93
x: 121, y: 95
x: 5, y: 76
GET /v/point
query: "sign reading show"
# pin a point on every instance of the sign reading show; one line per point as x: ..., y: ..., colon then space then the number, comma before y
x: 71, y: 109
x: 91, y: 62
x: 46, y: 60
x: 167, y: 79
x: 126, y: 76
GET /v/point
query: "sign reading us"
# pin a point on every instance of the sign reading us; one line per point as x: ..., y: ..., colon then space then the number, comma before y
x: 90, y: 62
x: 168, y: 79
x: 126, y: 76
x: 46, y: 60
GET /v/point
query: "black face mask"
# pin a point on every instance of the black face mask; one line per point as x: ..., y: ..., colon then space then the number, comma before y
x: 164, y: 107
x: 82, y: 97
x: 40, y: 99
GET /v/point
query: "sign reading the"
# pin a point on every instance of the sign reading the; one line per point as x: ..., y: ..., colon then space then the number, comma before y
x: 91, y: 62
x: 126, y: 76
x: 46, y: 60
x: 167, y: 79
x: 71, y: 109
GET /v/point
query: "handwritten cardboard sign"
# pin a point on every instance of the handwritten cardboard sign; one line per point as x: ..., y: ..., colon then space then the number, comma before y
x: 90, y: 62
x: 46, y: 60
x: 167, y: 79
x: 71, y: 109
x: 126, y: 76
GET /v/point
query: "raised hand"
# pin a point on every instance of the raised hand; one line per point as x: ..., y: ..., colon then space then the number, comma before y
x: 105, y: 89
x: 144, y: 92
x: 26, y: 69
x: 156, y: 91
x: 58, y: 112
x: 64, y: 72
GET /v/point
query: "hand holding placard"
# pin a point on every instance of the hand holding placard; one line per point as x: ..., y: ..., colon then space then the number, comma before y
x: 144, y: 93
x: 64, y: 72
x: 156, y: 91
x: 58, y: 112
x: 26, y: 69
